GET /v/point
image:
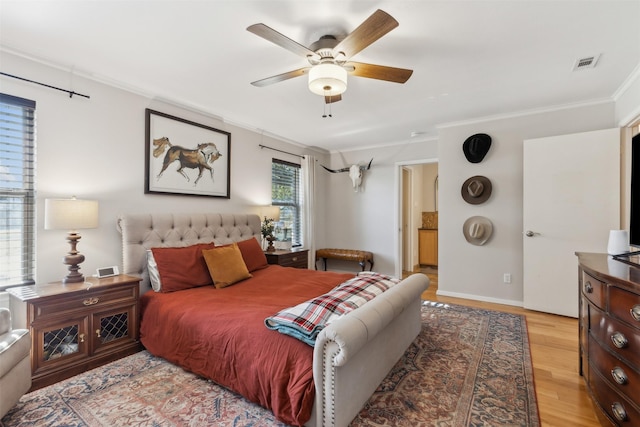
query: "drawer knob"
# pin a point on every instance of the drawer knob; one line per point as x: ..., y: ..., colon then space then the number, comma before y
x: 588, y: 287
x: 618, y: 411
x: 91, y: 301
x: 619, y: 375
x: 619, y: 340
x: 295, y: 258
x: 635, y: 312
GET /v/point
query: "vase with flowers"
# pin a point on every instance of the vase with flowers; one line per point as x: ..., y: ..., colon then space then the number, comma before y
x: 268, y: 226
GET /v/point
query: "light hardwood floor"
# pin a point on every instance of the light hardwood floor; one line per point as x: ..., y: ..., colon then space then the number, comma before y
x: 560, y: 390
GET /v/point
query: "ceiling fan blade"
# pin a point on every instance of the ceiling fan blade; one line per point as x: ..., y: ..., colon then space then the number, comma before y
x: 379, y: 72
x: 281, y: 40
x: 281, y: 77
x: 329, y: 99
x: 374, y: 27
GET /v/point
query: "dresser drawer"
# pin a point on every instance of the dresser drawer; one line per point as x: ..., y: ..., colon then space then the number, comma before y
x: 618, y: 374
x: 619, y: 338
x: 625, y: 306
x: 594, y: 290
x: 616, y: 406
x: 69, y: 303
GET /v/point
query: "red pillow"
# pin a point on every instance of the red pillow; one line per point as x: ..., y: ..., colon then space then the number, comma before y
x: 252, y: 254
x: 182, y: 268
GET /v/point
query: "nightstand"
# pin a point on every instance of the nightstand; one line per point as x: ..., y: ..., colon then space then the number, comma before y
x: 297, y: 258
x: 77, y: 326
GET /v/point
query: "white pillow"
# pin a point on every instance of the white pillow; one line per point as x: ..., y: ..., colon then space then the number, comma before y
x: 152, y: 268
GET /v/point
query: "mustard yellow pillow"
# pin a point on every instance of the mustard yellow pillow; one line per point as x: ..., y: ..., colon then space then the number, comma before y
x: 226, y: 265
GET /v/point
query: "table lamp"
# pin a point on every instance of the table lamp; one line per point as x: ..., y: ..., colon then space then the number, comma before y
x: 72, y: 215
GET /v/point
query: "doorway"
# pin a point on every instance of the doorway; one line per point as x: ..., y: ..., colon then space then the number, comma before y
x: 416, y: 192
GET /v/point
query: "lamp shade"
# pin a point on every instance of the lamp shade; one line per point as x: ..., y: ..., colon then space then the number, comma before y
x: 271, y: 212
x: 327, y: 79
x: 70, y: 214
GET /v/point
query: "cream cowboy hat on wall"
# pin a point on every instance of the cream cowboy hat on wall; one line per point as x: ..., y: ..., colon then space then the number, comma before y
x: 476, y: 189
x: 477, y: 230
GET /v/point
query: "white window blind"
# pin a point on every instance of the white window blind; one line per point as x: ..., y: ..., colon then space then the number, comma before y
x: 285, y: 193
x: 17, y: 191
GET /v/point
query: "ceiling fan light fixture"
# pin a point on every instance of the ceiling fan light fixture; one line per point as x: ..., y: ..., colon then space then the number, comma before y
x: 327, y: 77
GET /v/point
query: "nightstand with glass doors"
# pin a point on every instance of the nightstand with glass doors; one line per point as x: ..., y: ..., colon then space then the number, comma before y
x: 77, y: 326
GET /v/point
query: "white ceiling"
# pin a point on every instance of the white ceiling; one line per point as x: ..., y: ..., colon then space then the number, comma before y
x: 471, y: 59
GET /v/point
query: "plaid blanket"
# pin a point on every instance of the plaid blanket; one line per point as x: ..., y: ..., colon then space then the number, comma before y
x: 305, y: 321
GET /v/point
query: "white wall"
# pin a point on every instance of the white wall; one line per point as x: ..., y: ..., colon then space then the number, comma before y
x: 368, y: 220
x: 477, y: 271
x: 95, y: 149
x: 429, y: 176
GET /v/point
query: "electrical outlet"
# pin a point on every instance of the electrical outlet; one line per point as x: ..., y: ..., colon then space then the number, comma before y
x: 507, y: 278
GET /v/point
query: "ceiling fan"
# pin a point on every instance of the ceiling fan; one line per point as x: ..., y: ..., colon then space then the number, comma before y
x: 329, y: 58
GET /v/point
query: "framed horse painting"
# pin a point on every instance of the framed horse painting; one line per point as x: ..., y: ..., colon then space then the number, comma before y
x: 186, y: 158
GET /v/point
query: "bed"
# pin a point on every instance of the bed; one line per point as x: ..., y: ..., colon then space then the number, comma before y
x: 323, y: 385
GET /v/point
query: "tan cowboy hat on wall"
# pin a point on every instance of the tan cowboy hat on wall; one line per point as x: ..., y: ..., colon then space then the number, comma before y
x: 477, y: 230
x: 476, y: 189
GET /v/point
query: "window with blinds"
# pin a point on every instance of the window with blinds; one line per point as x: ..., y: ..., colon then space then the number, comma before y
x: 286, y: 193
x: 17, y: 191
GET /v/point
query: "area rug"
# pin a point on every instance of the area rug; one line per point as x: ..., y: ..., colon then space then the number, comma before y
x: 468, y: 367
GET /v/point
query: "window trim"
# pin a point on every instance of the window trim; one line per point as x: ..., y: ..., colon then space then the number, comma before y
x: 298, y: 207
x: 24, y: 274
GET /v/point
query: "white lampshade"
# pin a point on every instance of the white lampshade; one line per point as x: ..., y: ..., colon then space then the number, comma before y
x: 70, y: 214
x: 327, y: 79
x: 270, y: 212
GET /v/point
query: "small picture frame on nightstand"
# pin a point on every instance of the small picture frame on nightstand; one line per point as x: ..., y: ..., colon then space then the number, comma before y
x: 107, y: 271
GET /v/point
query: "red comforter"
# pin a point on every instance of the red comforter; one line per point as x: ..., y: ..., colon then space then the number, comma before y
x: 220, y: 334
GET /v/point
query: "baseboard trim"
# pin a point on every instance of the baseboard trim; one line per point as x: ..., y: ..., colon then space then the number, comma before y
x: 480, y: 298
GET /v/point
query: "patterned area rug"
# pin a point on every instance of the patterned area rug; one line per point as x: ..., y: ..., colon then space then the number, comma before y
x: 468, y: 367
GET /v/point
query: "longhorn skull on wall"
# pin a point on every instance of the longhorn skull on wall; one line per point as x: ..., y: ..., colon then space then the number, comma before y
x: 355, y: 173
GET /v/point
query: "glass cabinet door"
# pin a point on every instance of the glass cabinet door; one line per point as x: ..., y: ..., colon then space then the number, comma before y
x: 60, y: 341
x: 112, y: 327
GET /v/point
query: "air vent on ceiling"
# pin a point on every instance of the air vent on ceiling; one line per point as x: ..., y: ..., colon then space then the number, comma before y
x: 586, y: 62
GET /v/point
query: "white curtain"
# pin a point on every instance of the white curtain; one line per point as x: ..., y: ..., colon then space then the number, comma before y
x: 308, y: 165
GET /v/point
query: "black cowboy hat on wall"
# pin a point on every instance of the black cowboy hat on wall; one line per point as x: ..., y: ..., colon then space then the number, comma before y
x: 476, y: 147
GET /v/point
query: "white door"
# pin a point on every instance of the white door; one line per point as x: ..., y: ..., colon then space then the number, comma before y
x: 571, y: 199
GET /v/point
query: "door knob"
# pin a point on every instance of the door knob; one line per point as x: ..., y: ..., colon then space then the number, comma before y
x: 530, y: 233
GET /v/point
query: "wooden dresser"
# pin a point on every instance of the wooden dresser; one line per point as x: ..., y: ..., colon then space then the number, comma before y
x: 609, y: 328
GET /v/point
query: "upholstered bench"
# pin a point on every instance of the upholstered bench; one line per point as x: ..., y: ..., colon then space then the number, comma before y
x: 362, y: 257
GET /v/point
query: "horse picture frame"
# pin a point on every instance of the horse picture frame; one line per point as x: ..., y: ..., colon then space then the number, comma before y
x: 186, y: 158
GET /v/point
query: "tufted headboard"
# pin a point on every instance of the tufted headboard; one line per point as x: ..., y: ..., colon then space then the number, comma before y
x: 141, y: 232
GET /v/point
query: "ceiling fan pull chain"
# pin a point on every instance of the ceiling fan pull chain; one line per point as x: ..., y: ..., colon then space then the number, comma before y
x: 327, y: 96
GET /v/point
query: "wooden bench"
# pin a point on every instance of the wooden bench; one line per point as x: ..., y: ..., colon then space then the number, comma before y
x: 362, y: 257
